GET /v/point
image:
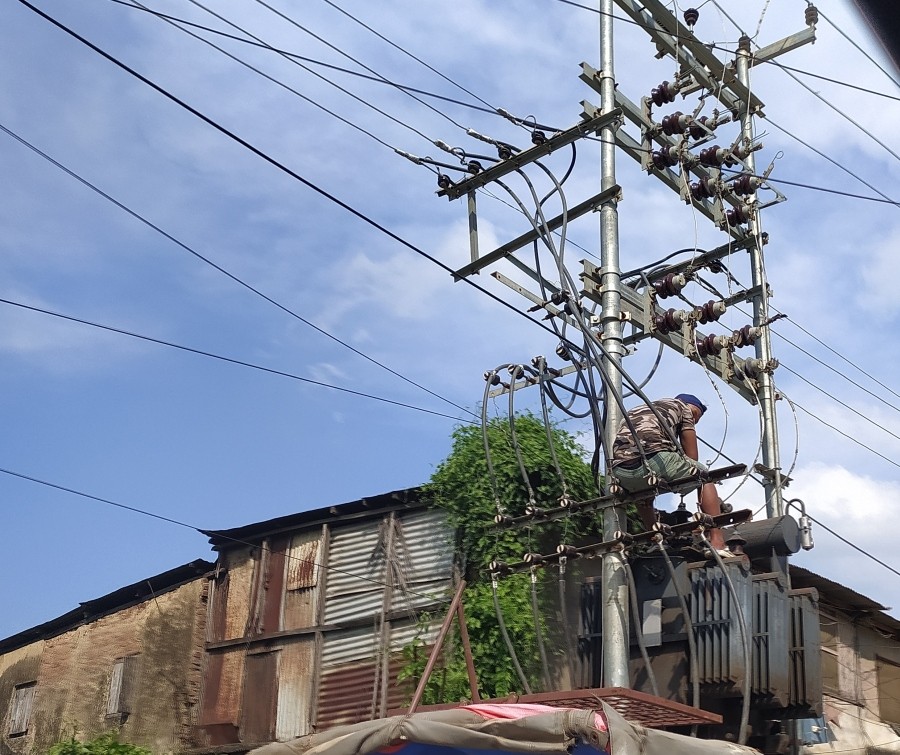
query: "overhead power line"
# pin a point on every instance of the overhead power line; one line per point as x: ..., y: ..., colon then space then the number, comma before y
x: 230, y: 360
x: 281, y: 166
x: 221, y: 269
x: 205, y: 533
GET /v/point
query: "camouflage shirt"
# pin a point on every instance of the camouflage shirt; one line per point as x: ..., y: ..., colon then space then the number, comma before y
x: 676, y: 414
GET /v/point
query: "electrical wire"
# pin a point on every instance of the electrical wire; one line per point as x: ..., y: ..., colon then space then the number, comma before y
x: 872, y: 60
x: 287, y: 87
x: 313, y: 61
x: 221, y: 358
x: 409, y: 54
x: 351, y: 58
x: 137, y: 216
x: 206, y: 533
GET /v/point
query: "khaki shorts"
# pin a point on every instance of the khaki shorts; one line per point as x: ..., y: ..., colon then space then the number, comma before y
x: 668, y: 465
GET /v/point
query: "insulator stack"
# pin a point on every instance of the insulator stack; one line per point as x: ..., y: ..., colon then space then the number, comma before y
x: 562, y: 351
x: 665, y: 158
x: 715, y: 157
x: 670, y: 285
x: 738, y: 215
x: 711, y: 345
x: 701, y: 127
x: 538, y: 137
x: 811, y: 15
x: 492, y: 377
x: 746, y: 336
x: 503, y: 152
x: 705, y: 188
x: 516, y: 371
x: 755, y: 367
x: 474, y: 167
x: 745, y: 184
x: 675, y: 123
x: 671, y: 320
x: 444, y: 181
x: 710, y: 312
x: 663, y: 94
x: 691, y: 16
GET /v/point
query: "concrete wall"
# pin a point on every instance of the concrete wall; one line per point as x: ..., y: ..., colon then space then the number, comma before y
x: 72, y: 671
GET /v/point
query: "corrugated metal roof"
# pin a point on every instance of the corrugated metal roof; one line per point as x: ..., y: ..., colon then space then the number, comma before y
x: 363, y: 508
x: 842, y: 596
x: 92, y: 610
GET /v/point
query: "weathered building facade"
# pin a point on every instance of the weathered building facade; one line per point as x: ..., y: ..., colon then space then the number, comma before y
x: 309, y: 615
x: 129, y: 662
x: 860, y: 672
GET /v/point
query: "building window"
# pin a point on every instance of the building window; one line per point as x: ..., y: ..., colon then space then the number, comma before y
x: 20, y: 709
x: 888, y: 677
x: 121, y: 686
x: 828, y: 639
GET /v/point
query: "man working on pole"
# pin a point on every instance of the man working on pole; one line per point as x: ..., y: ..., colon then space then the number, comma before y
x: 669, y: 451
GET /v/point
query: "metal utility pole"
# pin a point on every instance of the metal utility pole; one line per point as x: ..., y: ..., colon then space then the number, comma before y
x: 615, y: 609
x: 688, y: 152
x: 765, y: 390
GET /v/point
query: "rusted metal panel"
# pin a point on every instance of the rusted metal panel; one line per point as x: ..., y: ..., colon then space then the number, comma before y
x: 217, y: 618
x: 294, y: 689
x: 302, y: 580
x: 222, y: 687
x: 350, y: 692
x: 355, y: 573
x: 240, y: 565
x: 273, y: 584
x: 260, y: 696
x: 303, y: 564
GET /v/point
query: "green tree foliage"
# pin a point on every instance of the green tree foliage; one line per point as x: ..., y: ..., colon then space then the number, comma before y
x: 462, y: 486
x: 105, y: 744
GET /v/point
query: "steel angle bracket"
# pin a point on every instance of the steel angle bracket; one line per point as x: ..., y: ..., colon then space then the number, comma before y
x: 640, y: 309
x: 677, y: 182
x: 695, y: 58
x: 520, y: 159
x: 589, y: 205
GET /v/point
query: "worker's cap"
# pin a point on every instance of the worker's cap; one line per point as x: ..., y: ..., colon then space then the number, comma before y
x: 693, y: 401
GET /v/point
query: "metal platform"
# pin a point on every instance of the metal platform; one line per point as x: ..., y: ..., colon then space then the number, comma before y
x: 636, y: 707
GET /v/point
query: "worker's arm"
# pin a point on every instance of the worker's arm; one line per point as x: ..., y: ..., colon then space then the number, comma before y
x: 688, y: 440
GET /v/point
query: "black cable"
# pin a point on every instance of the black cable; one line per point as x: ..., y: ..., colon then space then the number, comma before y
x: 855, y: 547
x: 206, y: 533
x: 407, y: 52
x: 275, y: 163
x: 221, y: 269
x: 848, y: 437
x: 296, y: 62
x: 831, y: 160
x: 221, y: 358
x: 305, y: 59
x: 350, y: 57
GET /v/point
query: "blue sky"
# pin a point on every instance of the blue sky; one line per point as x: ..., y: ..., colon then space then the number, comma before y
x: 214, y: 444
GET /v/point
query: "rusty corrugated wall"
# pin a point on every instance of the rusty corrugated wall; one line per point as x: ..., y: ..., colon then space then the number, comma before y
x: 307, y: 629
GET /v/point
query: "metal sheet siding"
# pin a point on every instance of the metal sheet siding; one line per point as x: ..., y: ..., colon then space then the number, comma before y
x: 355, y: 576
x: 425, y: 551
x: 348, y: 693
x: 295, y: 689
x: 258, y: 719
x: 301, y: 595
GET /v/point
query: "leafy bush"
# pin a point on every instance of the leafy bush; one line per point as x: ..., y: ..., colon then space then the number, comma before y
x: 462, y: 486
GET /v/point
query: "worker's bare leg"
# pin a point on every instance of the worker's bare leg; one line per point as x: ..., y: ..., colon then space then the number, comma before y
x: 711, y: 504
